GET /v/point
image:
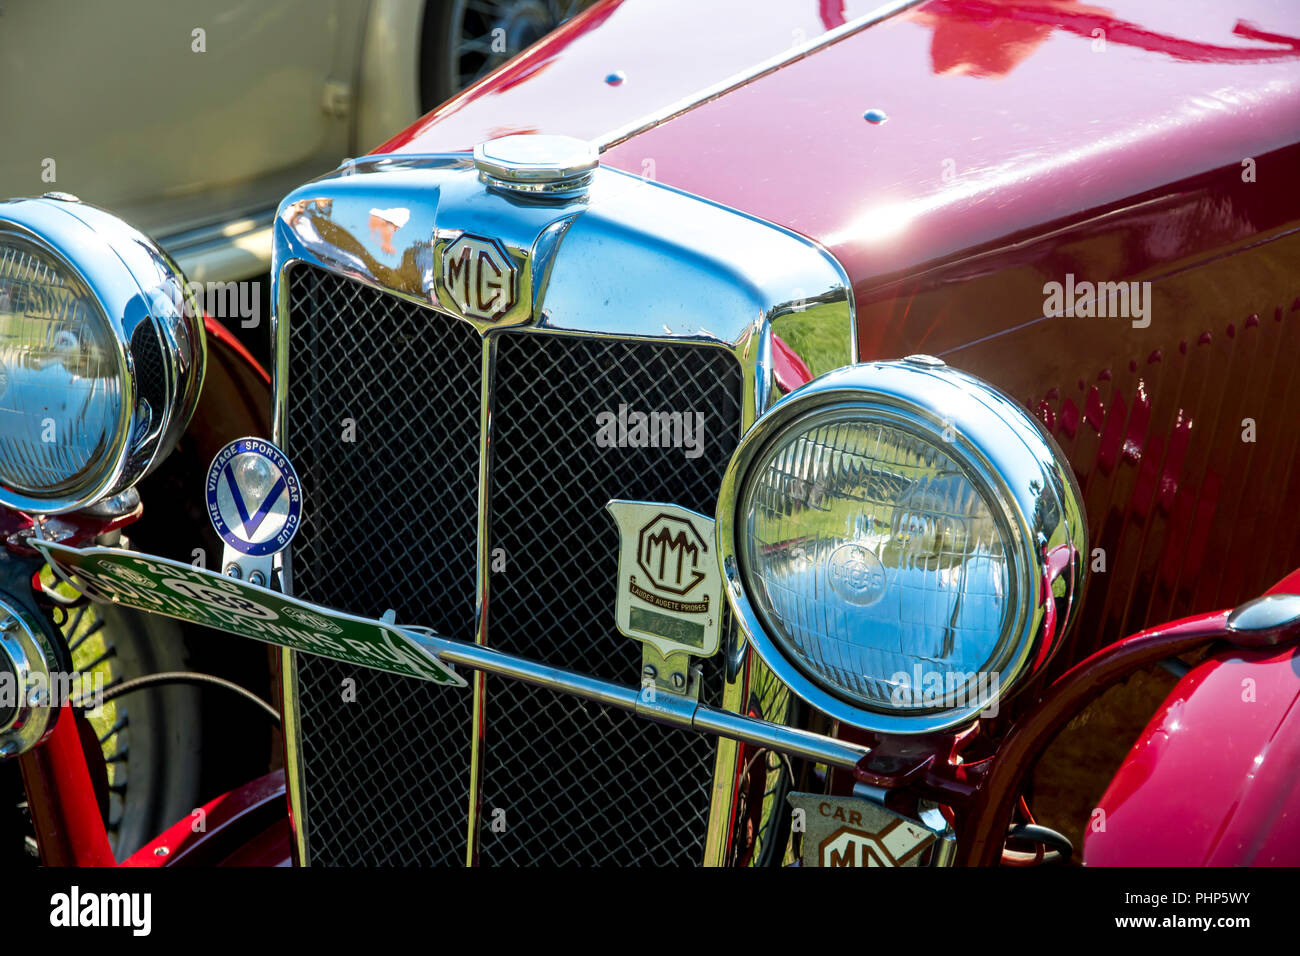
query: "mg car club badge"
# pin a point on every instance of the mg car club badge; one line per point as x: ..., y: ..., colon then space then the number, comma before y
x: 852, y: 832
x: 253, y: 497
x: 669, y: 584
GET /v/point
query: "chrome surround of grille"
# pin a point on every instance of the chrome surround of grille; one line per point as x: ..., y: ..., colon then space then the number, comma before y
x: 590, y: 267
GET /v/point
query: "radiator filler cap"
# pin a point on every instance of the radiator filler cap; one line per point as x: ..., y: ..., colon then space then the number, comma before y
x: 537, y: 165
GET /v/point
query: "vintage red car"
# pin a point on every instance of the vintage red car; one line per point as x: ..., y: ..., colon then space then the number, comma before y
x: 838, y: 433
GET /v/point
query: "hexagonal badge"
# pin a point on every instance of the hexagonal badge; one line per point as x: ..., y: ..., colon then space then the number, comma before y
x: 479, y: 277
x: 851, y: 831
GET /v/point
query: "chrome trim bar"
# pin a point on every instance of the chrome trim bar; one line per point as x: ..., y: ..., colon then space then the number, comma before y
x: 751, y: 73
x: 663, y: 708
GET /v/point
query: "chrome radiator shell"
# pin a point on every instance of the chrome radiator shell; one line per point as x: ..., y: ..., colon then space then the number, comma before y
x: 634, y: 266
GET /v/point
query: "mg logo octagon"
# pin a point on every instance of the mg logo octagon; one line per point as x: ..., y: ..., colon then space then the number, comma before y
x: 898, y: 844
x: 669, y: 551
x: 479, y: 277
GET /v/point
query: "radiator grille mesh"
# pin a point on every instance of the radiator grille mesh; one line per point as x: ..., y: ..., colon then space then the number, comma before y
x: 580, y: 784
x: 390, y: 521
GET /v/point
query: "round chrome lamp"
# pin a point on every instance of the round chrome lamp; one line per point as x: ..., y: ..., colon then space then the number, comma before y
x: 902, y: 544
x: 28, y: 707
x: 102, y: 354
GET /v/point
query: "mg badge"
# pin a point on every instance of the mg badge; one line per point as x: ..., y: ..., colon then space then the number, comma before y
x: 253, y: 497
x: 851, y: 831
x: 479, y: 277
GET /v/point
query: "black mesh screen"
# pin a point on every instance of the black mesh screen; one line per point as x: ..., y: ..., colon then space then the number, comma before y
x: 150, y: 375
x: 390, y: 521
x: 580, y: 783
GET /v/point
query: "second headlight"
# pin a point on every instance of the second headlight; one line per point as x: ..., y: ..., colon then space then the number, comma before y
x: 886, y: 531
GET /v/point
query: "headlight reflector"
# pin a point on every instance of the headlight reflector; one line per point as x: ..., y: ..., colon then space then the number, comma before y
x: 60, y: 373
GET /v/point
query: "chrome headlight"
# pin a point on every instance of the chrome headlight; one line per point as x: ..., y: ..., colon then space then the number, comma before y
x: 901, y: 542
x: 101, y: 354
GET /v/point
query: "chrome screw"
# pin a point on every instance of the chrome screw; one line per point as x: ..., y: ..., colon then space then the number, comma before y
x: 232, y: 571
x: 258, y: 578
x: 649, y: 672
x: 679, y: 681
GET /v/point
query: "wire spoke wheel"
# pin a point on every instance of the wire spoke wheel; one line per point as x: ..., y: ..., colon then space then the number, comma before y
x: 150, y: 741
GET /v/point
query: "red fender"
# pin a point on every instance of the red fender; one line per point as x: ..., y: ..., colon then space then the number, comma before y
x: 1214, y: 779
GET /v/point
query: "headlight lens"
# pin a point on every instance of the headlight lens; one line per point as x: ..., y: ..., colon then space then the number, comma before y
x: 60, y: 374
x: 902, y: 543
x: 870, y: 550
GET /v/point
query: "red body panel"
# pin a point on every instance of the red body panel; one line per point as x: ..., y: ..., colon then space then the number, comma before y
x: 61, y: 795
x: 665, y: 49
x: 1219, y: 765
x: 246, y: 827
x: 1214, y: 780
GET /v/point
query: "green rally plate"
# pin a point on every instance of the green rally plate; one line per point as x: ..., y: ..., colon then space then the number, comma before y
x: 199, y: 596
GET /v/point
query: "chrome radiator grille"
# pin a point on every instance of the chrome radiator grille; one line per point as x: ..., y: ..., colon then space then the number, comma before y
x: 579, y: 785
x: 391, y: 522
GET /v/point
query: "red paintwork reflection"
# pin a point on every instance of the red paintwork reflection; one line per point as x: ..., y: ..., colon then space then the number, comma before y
x: 988, y: 38
x: 1222, y: 758
x: 789, y: 370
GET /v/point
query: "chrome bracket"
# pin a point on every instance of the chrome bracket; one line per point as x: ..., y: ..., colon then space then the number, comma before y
x: 674, y: 674
x: 247, y: 567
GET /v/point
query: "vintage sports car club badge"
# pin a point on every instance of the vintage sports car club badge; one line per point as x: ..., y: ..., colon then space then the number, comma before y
x: 669, y: 583
x: 253, y: 497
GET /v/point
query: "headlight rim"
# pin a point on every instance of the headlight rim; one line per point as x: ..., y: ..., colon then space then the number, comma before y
x: 916, y: 391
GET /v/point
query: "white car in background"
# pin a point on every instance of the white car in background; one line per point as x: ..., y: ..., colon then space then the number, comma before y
x: 193, y: 118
